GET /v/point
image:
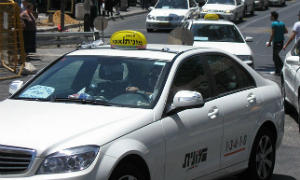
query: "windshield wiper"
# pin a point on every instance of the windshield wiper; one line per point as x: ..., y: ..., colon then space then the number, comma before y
x: 82, y: 101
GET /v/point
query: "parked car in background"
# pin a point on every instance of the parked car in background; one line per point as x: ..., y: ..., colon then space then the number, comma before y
x: 261, y: 4
x: 291, y: 80
x: 277, y: 2
x: 249, y: 7
x: 221, y: 34
x: 168, y: 14
x: 231, y: 10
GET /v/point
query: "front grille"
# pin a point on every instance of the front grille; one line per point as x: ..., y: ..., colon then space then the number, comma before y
x: 216, y: 10
x: 15, y: 160
x: 161, y: 18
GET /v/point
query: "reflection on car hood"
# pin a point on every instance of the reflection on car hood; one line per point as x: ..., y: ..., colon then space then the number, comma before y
x: 219, y: 6
x: 55, y: 126
x: 233, y: 48
x: 169, y: 12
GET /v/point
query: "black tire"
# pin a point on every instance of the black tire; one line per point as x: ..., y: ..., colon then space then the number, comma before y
x: 263, y: 7
x: 252, y: 10
x: 127, y: 171
x: 234, y: 19
x: 267, y: 6
x: 149, y: 30
x: 241, y: 18
x: 288, y: 108
x: 298, y: 113
x: 262, y: 158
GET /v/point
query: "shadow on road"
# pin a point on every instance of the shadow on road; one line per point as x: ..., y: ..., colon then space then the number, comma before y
x: 282, y: 177
x: 274, y: 177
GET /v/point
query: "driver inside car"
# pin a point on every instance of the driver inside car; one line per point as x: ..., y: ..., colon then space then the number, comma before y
x: 153, y: 77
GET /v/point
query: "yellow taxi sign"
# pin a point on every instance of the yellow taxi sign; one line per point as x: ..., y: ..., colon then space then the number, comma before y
x: 211, y: 17
x: 128, y: 39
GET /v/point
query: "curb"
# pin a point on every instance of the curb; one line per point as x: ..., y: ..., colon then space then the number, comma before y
x: 55, y: 28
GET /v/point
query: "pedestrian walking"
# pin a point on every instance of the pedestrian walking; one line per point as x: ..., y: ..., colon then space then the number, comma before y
x: 117, y: 4
x: 29, y: 30
x: 109, y: 7
x: 296, y: 33
x: 277, y: 38
x: 101, y: 4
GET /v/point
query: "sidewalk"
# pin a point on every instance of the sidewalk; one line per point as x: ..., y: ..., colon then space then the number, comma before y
x: 131, y: 11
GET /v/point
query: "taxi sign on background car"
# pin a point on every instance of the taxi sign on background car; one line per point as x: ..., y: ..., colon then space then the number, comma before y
x: 211, y: 17
x: 128, y: 39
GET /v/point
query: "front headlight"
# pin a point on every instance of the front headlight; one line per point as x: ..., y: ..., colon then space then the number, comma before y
x: 229, y: 11
x: 69, y: 160
x: 150, y: 17
x: 205, y: 10
x: 179, y: 18
x: 245, y: 57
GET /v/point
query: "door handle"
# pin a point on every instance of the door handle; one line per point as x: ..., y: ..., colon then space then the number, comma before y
x: 213, y: 112
x: 251, y: 98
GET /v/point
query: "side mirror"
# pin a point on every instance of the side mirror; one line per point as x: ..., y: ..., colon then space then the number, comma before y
x: 185, y: 100
x: 248, y: 39
x: 15, y: 86
x: 150, y: 8
x: 293, y: 60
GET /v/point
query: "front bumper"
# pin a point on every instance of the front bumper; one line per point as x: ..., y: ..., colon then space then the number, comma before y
x: 99, y: 169
x: 163, y: 24
x: 274, y: 2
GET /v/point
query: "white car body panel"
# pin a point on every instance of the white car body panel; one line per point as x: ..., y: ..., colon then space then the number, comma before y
x: 60, y: 116
x: 291, y: 76
x: 166, y: 18
x: 249, y: 6
x: 162, y: 141
x: 233, y: 48
x: 220, y: 8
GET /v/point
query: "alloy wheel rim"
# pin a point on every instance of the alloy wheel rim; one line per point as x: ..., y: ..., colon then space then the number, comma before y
x: 264, y: 157
x: 128, y: 177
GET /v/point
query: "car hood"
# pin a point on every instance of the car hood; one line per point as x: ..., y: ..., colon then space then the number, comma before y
x: 233, y: 48
x: 218, y: 6
x: 169, y: 12
x: 50, y: 126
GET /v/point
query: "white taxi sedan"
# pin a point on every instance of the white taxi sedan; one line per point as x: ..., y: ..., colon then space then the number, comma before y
x: 144, y: 112
x: 291, y: 80
x: 221, y: 34
x: 231, y: 10
x: 168, y: 14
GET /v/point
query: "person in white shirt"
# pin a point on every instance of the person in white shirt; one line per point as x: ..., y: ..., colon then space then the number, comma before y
x: 296, y: 33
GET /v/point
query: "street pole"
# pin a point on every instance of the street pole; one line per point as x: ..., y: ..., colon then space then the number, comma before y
x: 62, y: 19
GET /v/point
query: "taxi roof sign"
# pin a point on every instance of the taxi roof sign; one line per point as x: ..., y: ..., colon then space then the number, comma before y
x: 211, y: 17
x: 128, y: 39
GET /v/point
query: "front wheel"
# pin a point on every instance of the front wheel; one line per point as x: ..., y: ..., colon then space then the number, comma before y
x: 149, y: 30
x: 252, y: 10
x: 127, y: 172
x: 241, y: 18
x: 262, y: 158
x: 287, y: 106
x: 299, y: 113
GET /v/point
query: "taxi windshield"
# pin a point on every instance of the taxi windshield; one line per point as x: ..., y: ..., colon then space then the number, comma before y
x: 118, y: 81
x: 216, y: 33
x: 226, y: 2
x: 171, y: 4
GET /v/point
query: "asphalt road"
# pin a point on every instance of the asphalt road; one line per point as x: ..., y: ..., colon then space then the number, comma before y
x: 258, y: 26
